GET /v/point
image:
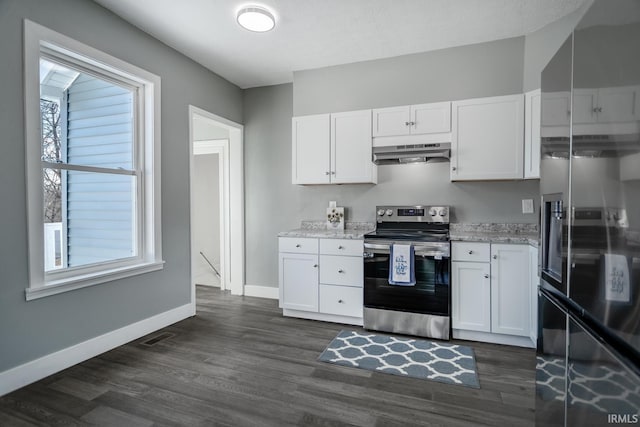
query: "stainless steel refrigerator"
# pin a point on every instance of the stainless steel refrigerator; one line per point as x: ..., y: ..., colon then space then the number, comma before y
x: 588, y: 361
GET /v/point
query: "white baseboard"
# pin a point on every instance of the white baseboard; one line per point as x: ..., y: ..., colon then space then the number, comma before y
x: 20, y: 376
x: 261, y: 291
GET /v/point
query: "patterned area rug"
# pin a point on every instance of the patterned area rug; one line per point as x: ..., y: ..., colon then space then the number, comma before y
x: 446, y: 363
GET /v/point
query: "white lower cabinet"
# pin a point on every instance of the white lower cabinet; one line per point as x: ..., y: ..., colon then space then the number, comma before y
x: 510, y: 298
x: 491, y: 293
x: 471, y: 304
x: 325, y: 282
x: 299, y: 281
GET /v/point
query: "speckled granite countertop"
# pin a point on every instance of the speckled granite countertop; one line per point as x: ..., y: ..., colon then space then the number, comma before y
x: 353, y: 230
x: 495, y: 233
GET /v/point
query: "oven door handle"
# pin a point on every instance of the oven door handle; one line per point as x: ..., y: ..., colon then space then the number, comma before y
x: 434, y: 254
x: 376, y: 248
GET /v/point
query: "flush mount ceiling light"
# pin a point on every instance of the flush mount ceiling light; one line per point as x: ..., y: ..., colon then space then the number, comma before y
x: 256, y: 18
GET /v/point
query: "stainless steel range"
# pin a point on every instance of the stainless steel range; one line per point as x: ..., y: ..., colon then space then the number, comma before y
x: 423, y: 307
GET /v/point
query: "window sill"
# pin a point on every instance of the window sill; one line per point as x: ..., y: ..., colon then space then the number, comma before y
x: 83, y: 281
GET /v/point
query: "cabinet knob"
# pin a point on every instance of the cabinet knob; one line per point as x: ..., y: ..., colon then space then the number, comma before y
x: 333, y: 172
x: 495, y: 257
x: 340, y: 247
x: 298, y: 245
x: 340, y: 301
x: 407, y: 123
x: 595, y: 109
x: 326, y: 173
x: 470, y: 252
x: 486, y: 276
x: 454, y: 168
x: 599, y: 109
x: 315, y: 265
x: 340, y: 271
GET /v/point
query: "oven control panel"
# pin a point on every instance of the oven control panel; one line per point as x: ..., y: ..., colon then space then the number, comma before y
x: 417, y: 213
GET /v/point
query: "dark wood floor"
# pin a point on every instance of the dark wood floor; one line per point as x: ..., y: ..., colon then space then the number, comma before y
x: 239, y: 362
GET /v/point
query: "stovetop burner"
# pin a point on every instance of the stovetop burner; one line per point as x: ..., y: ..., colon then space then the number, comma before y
x: 417, y: 223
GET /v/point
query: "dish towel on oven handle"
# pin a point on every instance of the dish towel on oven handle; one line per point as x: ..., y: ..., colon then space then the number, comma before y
x: 401, y: 265
x: 616, y: 278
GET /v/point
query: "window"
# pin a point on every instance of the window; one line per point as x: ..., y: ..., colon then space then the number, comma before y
x: 93, y: 150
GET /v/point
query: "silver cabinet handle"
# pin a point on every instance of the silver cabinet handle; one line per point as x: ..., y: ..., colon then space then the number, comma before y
x: 340, y: 271
x: 470, y: 252
x: 495, y: 257
x: 486, y: 276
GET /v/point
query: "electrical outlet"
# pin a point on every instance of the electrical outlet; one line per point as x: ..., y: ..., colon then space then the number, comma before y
x: 527, y: 206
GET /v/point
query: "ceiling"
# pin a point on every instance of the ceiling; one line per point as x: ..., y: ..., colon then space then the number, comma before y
x: 319, y: 33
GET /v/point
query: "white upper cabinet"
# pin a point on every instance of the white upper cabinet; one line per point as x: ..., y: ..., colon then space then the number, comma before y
x: 333, y: 149
x: 532, y: 135
x: 556, y: 114
x: 605, y: 110
x: 351, y: 148
x: 487, y: 138
x: 422, y: 119
x: 392, y: 121
x: 311, y: 156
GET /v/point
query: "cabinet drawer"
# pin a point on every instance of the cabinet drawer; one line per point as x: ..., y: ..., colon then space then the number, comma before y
x: 470, y: 251
x: 341, y: 300
x: 341, y: 247
x: 300, y: 245
x: 341, y: 270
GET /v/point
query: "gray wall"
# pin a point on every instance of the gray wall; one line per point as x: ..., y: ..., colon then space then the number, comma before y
x: 32, y: 329
x: 541, y: 45
x: 474, y: 71
x: 272, y: 203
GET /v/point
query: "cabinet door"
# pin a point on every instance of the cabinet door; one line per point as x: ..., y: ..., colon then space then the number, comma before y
x: 584, y: 106
x: 510, y: 290
x: 471, y: 296
x: 299, y: 281
x: 556, y: 110
x: 391, y: 121
x: 351, y: 158
x: 487, y: 138
x: 532, y: 135
x: 310, y: 146
x: 431, y: 118
x: 616, y: 104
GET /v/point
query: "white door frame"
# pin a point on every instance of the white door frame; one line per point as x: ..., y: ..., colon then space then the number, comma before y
x: 221, y: 148
x: 234, y: 246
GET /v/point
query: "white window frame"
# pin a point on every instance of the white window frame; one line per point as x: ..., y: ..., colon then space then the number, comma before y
x: 39, y: 40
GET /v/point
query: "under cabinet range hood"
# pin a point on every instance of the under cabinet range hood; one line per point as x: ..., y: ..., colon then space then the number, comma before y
x: 413, y: 153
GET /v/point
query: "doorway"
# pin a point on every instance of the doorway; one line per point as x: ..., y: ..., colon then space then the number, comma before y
x: 216, y: 202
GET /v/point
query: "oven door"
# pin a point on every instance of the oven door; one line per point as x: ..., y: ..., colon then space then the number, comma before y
x: 430, y: 295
